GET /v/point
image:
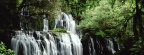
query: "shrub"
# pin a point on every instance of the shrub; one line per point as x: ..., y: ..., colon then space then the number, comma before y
x: 4, y: 51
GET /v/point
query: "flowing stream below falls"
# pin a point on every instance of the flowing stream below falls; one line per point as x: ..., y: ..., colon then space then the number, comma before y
x: 58, y: 43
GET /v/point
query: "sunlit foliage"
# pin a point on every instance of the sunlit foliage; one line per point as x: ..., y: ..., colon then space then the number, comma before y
x: 4, y: 51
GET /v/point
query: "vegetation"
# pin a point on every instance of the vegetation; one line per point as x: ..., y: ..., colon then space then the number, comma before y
x: 120, y: 19
x: 59, y: 30
x: 107, y: 20
x: 4, y: 51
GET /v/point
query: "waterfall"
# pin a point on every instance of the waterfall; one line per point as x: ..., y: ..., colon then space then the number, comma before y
x: 45, y: 23
x: 91, y: 47
x: 49, y: 43
x: 98, y: 46
x: 65, y: 21
x: 45, y: 43
x: 110, y: 46
x: 57, y: 43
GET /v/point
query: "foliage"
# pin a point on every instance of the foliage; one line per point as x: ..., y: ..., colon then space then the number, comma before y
x: 34, y: 11
x: 76, y: 7
x: 122, y: 19
x: 107, y: 32
x: 59, y: 30
x: 4, y: 51
x: 105, y: 19
x: 26, y: 12
x: 137, y: 48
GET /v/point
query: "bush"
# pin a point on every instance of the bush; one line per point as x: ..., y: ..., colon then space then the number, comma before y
x: 4, y: 51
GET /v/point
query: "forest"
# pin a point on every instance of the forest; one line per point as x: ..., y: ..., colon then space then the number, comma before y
x: 122, y: 20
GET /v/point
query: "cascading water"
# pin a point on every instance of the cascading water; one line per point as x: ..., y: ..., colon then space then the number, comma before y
x: 45, y: 22
x: 91, y: 47
x: 98, y: 46
x: 48, y: 43
x: 66, y: 21
x: 56, y: 43
x: 110, y: 46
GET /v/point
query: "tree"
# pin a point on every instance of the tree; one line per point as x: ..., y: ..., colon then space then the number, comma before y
x: 121, y: 19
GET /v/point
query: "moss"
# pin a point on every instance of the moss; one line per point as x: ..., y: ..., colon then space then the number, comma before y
x: 59, y: 30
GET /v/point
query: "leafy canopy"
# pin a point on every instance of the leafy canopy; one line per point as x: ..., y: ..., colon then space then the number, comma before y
x: 105, y: 19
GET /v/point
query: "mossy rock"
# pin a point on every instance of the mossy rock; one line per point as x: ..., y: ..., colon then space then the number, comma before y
x: 59, y: 30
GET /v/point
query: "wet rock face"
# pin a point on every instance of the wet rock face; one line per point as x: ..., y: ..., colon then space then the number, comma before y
x: 99, y: 46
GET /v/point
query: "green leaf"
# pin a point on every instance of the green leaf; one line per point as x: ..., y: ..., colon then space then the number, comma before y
x: 134, y: 49
x: 101, y: 33
x: 110, y: 31
x: 19, y: 2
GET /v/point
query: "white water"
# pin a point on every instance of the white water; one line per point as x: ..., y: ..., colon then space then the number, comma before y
x: 110, y: 46
x: 45, y: 23
x: 91, y: 47
x: 47, y: 43
x: 66, y: 21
